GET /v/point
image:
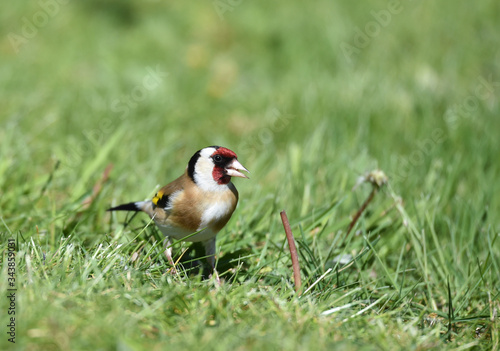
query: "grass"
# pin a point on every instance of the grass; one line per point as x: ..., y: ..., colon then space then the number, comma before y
x: 135, y: 88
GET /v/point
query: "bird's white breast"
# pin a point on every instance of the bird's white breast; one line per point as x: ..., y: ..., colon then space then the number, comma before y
x: 215, y: 212
x: 212, y: 214
x: 178, y: 233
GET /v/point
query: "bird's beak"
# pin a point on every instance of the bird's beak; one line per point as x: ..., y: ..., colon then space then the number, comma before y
x: 233, y: 169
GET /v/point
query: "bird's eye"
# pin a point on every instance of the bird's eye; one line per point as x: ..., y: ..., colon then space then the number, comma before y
x: 218, y: 158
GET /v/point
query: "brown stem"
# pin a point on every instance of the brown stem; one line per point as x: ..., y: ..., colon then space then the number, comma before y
x: 293, y: 251
x: 97, y: 187
x: 360, y: 211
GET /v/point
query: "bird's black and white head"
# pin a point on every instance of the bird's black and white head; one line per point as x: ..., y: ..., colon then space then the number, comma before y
x: 211, y: 168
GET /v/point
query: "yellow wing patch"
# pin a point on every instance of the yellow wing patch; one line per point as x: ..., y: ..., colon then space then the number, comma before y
x: 160, y: 199
x: 156, y: 198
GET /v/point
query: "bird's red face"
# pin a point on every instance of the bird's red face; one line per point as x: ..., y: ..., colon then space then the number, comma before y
x: 214, y: 165
x: 226, y: 165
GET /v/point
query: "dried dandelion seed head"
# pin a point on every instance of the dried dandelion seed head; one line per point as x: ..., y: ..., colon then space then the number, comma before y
x: 377, y: 178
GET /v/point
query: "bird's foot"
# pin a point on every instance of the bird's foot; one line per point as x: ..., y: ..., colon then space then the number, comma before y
x: 216, y: 276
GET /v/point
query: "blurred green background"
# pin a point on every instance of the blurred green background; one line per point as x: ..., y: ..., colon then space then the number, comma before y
x: 310, y: 96
x: 173, y: 78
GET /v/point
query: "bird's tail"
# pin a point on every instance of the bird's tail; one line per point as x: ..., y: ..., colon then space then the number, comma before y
x: 131, y: 206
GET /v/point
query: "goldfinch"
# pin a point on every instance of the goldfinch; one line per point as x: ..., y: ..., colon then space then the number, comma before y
x: 202, y: 199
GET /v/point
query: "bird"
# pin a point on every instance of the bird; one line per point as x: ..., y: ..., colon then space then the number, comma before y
x: 201, y: 201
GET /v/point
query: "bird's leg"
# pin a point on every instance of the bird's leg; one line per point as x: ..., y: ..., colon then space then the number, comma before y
x: 168, y: 253
x: 210, y: 253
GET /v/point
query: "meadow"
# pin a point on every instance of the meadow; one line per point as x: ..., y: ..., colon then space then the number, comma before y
x: 103, y: 102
